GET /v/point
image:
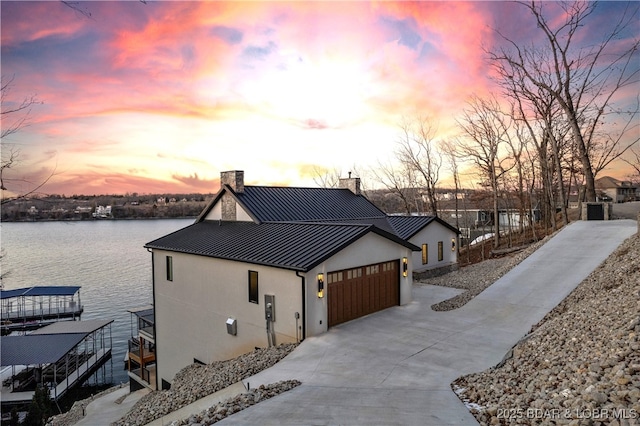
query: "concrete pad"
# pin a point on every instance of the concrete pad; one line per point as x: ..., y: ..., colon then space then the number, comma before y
x: 110, y: 408
x: 395, y: 367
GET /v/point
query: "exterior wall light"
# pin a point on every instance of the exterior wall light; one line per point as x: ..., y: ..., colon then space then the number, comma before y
x: 453, y: 244
x: 320, y: 285
x: 405, y: 266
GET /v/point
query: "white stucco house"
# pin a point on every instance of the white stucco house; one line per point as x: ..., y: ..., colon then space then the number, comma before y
x: 268, y: 265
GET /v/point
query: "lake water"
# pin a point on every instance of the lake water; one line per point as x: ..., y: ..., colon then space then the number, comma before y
x: 106, y: 258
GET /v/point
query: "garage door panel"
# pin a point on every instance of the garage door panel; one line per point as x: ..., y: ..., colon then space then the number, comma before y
x: 361, y: 291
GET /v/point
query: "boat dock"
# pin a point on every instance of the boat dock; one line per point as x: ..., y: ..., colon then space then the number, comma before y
x: 57, y: 356
x: 30, y: 308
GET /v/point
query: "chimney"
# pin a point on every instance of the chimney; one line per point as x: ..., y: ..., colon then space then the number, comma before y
x: 233, y: 178
x: 352, y: 184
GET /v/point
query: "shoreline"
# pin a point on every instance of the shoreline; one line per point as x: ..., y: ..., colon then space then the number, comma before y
x: 98, y: 220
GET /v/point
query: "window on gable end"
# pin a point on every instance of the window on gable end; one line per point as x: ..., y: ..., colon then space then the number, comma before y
x: 425, y: 254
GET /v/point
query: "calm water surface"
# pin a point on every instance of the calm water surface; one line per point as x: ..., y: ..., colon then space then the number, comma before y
x: 106, y: 258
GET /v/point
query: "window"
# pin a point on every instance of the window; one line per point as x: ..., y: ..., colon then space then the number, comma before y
x: 440, y: 251
x: 425, y: 254
x: 169, y: 268
x: 253, y: 287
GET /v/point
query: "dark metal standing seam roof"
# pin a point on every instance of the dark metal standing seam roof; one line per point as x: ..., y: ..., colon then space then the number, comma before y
x: 296, y: 246
x: 285, y: 204
x: 48, y: 344
x: 407, y: 226
x: 37, y: 349
x: 40, y: 291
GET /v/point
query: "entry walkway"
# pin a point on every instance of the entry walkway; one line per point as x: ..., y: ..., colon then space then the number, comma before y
x: 395, y: 367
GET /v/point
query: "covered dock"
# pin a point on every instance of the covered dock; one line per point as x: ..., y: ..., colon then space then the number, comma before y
x: 34, y: 307
x: 57, y: 356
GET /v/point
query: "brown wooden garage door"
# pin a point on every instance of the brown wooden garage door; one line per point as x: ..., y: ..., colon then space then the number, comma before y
x: 356, y: 292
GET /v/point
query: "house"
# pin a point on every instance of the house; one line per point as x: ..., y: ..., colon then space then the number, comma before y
x: 611, y: 189
x: 475, y: 216
x: 267, y: 265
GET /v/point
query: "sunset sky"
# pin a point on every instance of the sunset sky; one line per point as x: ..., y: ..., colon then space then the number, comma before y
x: 160, y: 97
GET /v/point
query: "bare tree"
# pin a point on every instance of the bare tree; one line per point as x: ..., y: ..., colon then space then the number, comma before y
x: 583, y: 81
x: 81, y: 9
x: 448, y: 148
x: 487, y: 128
x: 635, y: 163
x: 325, y: 177
x: 399, y: 182
x: 15, y: 116
x: 417, y: 150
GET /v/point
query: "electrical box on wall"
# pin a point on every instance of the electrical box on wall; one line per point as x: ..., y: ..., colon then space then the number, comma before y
x: 232, y: 326
x: 270, y: 307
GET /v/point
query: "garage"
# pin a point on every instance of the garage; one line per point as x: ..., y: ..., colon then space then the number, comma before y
x: 353, y: 293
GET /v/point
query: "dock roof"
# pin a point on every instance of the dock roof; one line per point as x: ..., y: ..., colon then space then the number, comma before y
x: 67, y: 327
x: 58, y: 290
x: 48, y: 344
x: 33, y: 349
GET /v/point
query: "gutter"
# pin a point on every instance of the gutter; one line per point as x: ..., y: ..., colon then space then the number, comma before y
x: 304, y: 306
x: 153, y: 293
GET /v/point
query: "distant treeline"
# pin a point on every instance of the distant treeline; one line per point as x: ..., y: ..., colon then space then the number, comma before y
x: 87, y: 207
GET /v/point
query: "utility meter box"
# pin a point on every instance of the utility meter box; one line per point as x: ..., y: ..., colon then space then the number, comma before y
x: 232, y: 326
x: 270, y: 307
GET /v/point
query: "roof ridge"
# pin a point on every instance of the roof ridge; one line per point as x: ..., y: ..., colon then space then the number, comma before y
x: 293, y: 187
x: 316, y: 222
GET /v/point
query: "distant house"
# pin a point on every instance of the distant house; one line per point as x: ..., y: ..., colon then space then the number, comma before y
x: 474, y: 218
x: 102, y: 212
x: 618, y: 191
x: 266, y: 265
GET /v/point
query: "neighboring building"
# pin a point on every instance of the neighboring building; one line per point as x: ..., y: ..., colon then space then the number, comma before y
x: 102, y: 212
x: 618, y: 191
x: 266, y: 265
x: 476, y: 217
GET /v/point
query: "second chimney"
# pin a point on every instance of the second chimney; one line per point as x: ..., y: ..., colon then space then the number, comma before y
x: 352, y: 184
x: 233, y: 178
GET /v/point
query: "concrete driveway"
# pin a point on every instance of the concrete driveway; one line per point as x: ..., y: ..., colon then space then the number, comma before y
x: 395, y: 367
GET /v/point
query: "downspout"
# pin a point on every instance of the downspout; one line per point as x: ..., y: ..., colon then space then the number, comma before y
x: 155, y: 332
x: 304, y: 306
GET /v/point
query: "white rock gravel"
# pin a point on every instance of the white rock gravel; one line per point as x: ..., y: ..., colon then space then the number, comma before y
x: 238, y: 403
x: 580, y: 365
x: 197, y: 381
x: 477, y: 277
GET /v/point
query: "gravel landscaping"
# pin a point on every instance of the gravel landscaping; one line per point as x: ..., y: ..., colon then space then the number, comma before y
x: 197, y: 381
x: 238, y: 403
x: 580, y: 365
x: 477, y: 277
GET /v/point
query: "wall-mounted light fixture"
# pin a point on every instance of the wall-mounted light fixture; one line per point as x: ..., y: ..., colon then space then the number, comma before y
x: 453, y: 244
x: 320, y: 285
x: 405, y: 266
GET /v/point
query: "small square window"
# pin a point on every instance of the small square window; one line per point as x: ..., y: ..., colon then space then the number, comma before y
x: 425, y: 254
x: 440, y: 251
x: 169, y: 268
x: 253, y: 287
